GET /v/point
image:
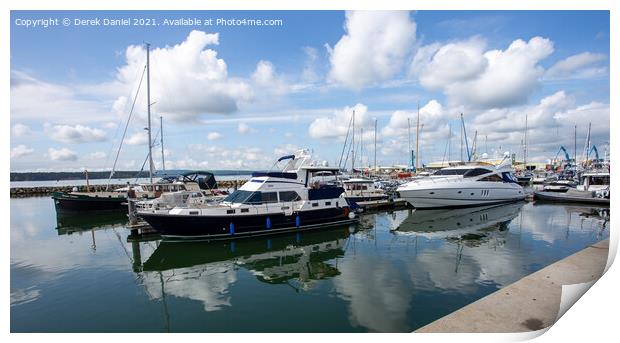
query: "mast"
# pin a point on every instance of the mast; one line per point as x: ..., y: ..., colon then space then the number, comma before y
x: 525, y: 145
x: 461, y: 139
x: 161, y: 135
x: 375, y: 150
x: 449, y: 141
x: 148, y: 107
x: 575, y: 145
x: 353, y: 145
x: 417, y: 140
x: 409, y: 140
x: 464, y: 132
x: 587, y: 145
x: 362, y: 147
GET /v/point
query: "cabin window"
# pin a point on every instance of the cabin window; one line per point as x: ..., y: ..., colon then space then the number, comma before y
x: 245, y: 210
x: 492, y: 177
x: 315, y: 204
x: 451, y: 172
x: 230, y: 211
x: 269, y: 197
x: 476, y: 172
x: 328, y: 203
x: 289, y: 196
x: 599, y: 181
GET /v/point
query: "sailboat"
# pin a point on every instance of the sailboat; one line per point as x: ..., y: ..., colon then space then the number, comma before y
x: 110, y: 200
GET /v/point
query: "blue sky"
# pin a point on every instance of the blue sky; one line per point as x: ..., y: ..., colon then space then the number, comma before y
x: 236, y: 97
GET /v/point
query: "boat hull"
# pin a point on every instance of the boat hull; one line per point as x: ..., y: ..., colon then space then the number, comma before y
x: 66, y: 202
x: 173, y: 226
x: 565, y: 197
x: 456, y: 196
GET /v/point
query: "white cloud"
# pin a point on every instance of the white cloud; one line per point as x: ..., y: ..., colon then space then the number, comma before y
x: 20, y: 130
x: 35, y: 99
x: 98, y: 155
x: 336, y: 126
x: 138, y: 138
x: 244, y: 128
x: 432, y: 116
x: 214, y: 135
x: 63, y: 154
x: 21, y: 151
x: 454, y: 62
x: 187, y: 79
x: 373, y: 48
x: 286, y: 149
x: 110, y: 125
x: 219, y: 157
x: 76, y: 134
x: 491, y: 79
x: 266, y: 80
x: 577, y: 66
x: 550, y: 124
x: 309, y: 73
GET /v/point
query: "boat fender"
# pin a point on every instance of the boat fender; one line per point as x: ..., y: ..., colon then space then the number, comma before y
x: 268, y: 223
x: 297, y: 221
x: 346, y: 211
x: 232, y: 229
x: 233, y: 246
x: 269, y: 244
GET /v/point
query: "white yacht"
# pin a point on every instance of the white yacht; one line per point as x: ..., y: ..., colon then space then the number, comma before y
x: 289, y: 200
x: 595, y: 181
x: 472, y: 184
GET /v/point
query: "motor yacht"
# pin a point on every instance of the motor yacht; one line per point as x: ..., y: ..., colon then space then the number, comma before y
x: 471, y: 184
x: 271, y: 202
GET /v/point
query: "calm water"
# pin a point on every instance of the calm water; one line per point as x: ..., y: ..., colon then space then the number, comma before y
x: 81, y: 274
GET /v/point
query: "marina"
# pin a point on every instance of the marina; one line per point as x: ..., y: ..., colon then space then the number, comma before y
x: 402, y: 171
x: 386, y: 264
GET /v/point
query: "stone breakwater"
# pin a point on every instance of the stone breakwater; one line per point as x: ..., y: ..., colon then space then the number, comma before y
x: 17, y: 192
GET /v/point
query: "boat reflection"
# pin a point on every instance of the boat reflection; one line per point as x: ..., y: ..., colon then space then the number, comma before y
x: 70, y: 223
x: 464, y: 223
x: 204, y: 271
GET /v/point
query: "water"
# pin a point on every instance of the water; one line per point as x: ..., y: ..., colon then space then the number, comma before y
x: 79, y: 274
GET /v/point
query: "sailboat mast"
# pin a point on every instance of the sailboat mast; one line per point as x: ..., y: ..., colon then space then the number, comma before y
x: 575, y: 145
x: 148, y: 107
x: 353, y: 145
x: 525, y: 145
x: 362, y: 147
x: 375, y: 150
x: 449, y: 141
x: 409, y: 140
x: 417, y: 140
x: 161, y: 128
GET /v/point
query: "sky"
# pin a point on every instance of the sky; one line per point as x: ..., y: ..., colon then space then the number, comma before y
x: 239, y: 96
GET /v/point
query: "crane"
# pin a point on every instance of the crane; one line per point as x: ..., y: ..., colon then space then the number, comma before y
x: 595, y: 153
x: 566, y: 156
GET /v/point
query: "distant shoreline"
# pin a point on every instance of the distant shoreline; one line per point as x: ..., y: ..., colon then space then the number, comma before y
x: 98, y: 175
